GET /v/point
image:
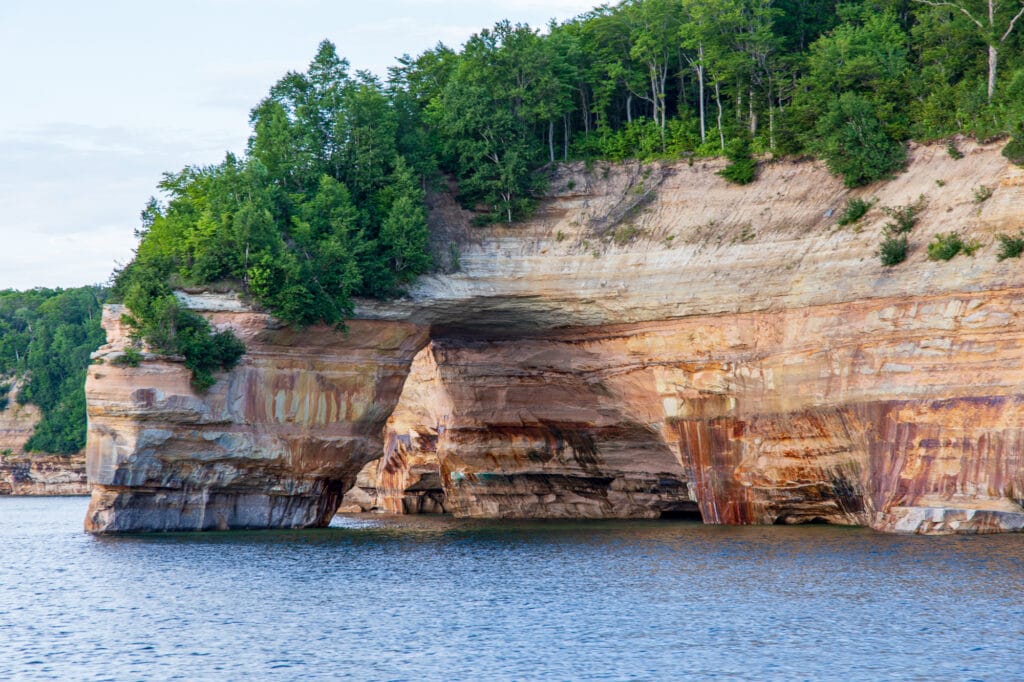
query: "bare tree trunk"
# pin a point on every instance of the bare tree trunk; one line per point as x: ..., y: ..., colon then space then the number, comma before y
x: 718, y: 101
x: 700, y: 92
x: 752, y: 113
x: 586, y: 111
x: 654, y: 95
x: 993, y: 58
x: 993, y: 52
x: 551, y: 140
x: 662, y: 105
x: 629, y: 108
x: 662, y: 97
x: 565, y: 137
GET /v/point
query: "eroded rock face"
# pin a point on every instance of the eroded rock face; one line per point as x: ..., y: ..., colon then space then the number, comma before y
x: 23, y: 473
x: 903, y: 414
x: 17, y: 422
x: 274, y: 444
x: 655, y: 342
x: 406, y: 479
x: 43, y: 475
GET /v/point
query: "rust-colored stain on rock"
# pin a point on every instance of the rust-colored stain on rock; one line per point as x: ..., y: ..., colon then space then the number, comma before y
x: 787, y: 380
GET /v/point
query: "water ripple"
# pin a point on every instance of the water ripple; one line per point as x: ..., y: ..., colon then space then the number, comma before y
x: 413, y: 598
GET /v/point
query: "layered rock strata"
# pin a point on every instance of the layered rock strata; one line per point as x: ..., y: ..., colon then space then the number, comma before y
x: 275, y: 444
x: 17, y: 422
x: 23, y: 473
x: 43, y: 475
x: 655, y: 342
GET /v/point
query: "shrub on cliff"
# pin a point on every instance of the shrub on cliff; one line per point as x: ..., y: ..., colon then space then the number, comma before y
x: 893, y: 250
x: 1014, y: 149
x: 854, y: 211
x: 904, y: 218
x: 742, y: 168
x: 131, y: 357
x: 1010, y: 247
x: 855, y: 144
x: 205, y: 351
x: 945, y: 246
x: 157, y: 318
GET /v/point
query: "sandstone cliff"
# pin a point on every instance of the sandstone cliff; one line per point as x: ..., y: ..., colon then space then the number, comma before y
x: 31, y: 474
x: 274, y: 444
x: 656, y: 342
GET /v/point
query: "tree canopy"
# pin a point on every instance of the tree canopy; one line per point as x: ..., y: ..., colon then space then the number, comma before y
x: 328, y: 202
x: 46, y: 338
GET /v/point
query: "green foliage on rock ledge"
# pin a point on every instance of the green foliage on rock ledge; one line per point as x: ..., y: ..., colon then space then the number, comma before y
x: 893, y: 250
x: 327, y: 203
x: 945, y: 246
x: 323, y: 206
x: 1010, y: 246
x: 742, y: 168
x: 855, y: 210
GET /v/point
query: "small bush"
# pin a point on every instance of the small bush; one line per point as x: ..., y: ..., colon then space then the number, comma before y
x: 560, y: 237
x: 206, y: 351
x: 625, y: 234
x: 4, y: 402
x: 130, y: 358
x: 742, y: 168
x: 854, y: 211
x: 5, y: 389
x: 982, y: 194
x: 904, y: 217
x: 1010, y: 247
x: 953, y: 151
x: 945, y: 246
x: 893, y: 250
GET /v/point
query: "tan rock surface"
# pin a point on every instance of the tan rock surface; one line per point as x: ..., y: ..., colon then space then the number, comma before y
x: 17, y: 422
x: 43, y: 475
x: 23, y: 473
x: 655, y: 342
x: 275, y: 443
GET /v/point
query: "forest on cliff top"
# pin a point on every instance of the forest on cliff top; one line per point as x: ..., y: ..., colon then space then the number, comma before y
x: 328, y: 201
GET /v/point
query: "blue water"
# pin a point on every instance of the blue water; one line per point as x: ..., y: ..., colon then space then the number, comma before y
x: 435, y: 598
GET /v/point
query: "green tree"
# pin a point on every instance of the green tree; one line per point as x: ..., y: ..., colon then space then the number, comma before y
x: 854, y: 143
x: 482, y: 116
x: 404, y: 236
x: 64, y: 329
x: 995, y: 20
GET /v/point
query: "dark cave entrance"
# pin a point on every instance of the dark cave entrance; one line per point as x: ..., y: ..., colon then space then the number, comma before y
x: 789, y: 520
x: 688, y: 512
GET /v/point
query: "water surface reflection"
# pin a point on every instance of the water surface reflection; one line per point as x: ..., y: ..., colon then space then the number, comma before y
x: 427, y: 597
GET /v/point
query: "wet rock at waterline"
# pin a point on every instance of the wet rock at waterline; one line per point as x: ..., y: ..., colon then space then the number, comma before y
x: 716, y: 352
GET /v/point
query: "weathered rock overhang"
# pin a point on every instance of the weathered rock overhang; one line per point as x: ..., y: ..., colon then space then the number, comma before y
x: 720, y: 352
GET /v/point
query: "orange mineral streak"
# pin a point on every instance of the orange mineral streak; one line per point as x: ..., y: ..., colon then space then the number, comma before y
x: 715, y: 352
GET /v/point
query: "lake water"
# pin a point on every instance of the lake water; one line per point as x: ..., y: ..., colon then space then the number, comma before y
x: 411, y: 598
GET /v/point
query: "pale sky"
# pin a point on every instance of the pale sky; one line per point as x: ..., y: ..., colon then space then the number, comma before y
x: 101, y: 97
